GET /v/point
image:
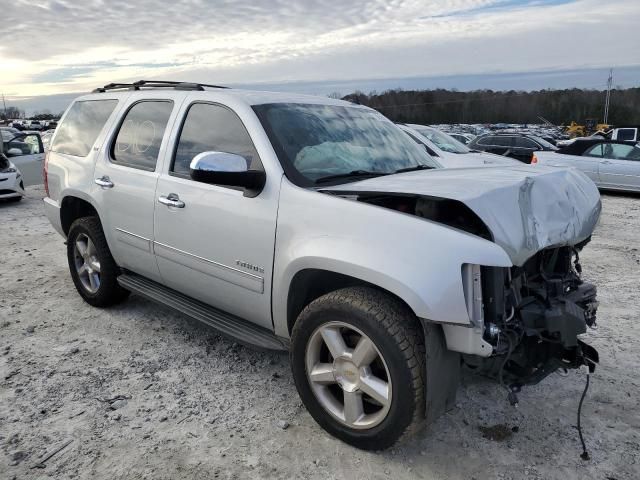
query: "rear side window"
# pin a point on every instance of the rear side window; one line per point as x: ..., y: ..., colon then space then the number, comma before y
x: 213, y: 128
x: 524, y: 142
x: 496, y: 141
x: 503, y: 141
x: 81, y: 126
x: 140, y: 136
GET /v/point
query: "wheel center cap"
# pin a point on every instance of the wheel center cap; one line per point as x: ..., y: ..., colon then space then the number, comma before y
x: 347, y: 374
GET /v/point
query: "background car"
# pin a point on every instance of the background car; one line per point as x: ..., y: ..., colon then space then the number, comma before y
x: 11, y: 184
x: 26, y: 151
x: 448, y: 151
x: 35, y: 125
x: 611, y: 164
x: 515, y: 145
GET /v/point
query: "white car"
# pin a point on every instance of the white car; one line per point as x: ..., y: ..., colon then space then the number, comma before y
x: 11, y: 186
x: 611, y: 164
x: 449, y: 152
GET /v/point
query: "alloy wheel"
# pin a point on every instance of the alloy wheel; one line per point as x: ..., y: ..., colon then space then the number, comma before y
x: 87, y: 263
x: 348, y: 375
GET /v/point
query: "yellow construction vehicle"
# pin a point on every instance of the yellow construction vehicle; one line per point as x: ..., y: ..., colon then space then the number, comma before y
x: 589, y: 128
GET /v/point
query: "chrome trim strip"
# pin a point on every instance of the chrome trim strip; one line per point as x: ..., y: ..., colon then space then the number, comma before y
x: 133, y: 234
x: 133, y: 240
x: 247, y: 274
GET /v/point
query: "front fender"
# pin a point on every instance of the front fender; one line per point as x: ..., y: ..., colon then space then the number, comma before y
x: 415, y: 259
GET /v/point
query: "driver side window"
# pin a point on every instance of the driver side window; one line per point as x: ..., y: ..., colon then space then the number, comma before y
x: 212, y: 128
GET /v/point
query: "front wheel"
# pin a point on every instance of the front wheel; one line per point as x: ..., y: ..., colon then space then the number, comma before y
x: 93, y: 269
x: 358, y: 364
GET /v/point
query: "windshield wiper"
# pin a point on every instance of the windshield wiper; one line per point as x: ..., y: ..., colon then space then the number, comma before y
x: 413, y: 169
x: 351, y: 174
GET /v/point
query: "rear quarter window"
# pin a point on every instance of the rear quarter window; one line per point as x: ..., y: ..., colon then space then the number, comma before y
x: 524, y: 142
x: 81, y: 126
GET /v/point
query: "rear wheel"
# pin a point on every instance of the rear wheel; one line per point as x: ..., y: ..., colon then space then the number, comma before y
x: 93, y: 270
x: 358, y: 364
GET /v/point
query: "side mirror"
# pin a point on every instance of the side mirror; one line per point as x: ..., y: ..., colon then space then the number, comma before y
x: 14, y: 152
x: 229, y: 169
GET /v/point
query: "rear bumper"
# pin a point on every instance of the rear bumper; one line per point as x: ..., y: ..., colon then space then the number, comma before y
x: 52, y: 210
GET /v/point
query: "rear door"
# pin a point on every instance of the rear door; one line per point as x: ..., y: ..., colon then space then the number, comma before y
x: 524, y: 148
x: 126, y: 175
x: 588, y: 162
x: 493, y: 144
x: 620, y: 166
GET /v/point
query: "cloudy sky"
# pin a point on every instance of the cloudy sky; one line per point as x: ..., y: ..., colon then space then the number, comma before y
x: 59, y: 46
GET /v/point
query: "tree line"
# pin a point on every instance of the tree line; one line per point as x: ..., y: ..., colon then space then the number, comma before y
x: 11, y: 113
x: 560, y: 107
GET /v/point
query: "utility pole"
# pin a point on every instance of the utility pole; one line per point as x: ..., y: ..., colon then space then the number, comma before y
x: 606, y: 102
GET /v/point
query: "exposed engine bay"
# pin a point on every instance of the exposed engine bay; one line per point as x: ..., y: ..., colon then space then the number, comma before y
x: 531, y: 315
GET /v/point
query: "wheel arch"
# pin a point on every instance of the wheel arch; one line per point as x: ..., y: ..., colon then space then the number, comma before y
x: 311, y: 283
x: 73, y: 207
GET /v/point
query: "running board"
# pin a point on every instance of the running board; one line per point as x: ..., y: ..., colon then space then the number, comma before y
x: 229, y: 325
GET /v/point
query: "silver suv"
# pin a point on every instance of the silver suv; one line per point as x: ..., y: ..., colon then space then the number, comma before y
x: 317, y: 226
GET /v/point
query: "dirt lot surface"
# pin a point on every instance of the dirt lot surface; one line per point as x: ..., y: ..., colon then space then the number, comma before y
x: 138, y: 391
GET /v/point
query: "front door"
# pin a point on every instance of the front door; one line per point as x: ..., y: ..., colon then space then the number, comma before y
x: 126, y: 177
x: 212, y: 242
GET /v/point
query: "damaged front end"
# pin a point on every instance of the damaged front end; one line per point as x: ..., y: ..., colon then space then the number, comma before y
x: 532, y: 316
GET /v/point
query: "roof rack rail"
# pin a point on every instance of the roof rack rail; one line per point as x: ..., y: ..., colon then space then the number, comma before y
x: 155, y: 84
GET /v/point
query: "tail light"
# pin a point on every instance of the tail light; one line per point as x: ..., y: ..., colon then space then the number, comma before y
x: 45, y: 176
x: 534, y: 159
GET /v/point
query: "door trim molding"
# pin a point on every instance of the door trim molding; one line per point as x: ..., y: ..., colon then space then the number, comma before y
x: 220, y: 271
x: 134, y: 240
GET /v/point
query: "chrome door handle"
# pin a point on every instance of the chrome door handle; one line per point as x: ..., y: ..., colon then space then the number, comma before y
x: 104, y: 182
x: 171, y: 200
x: 606, y: 162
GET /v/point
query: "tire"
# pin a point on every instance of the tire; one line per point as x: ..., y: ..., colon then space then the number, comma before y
x: 398, y: 341
x: 106, y: 291
x: 13, y: 199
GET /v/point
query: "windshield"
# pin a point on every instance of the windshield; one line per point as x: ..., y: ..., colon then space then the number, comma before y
x: 316, y: 141
x: 443, y: 141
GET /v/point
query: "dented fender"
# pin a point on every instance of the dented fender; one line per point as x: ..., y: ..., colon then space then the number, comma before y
x: 418, y: 260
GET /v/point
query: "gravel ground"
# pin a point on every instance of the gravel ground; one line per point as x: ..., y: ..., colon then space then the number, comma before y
x: 138, y: 391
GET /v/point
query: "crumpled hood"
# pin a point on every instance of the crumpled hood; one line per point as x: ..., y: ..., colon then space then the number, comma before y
x: 474, y: 159
x: 526, y: 209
